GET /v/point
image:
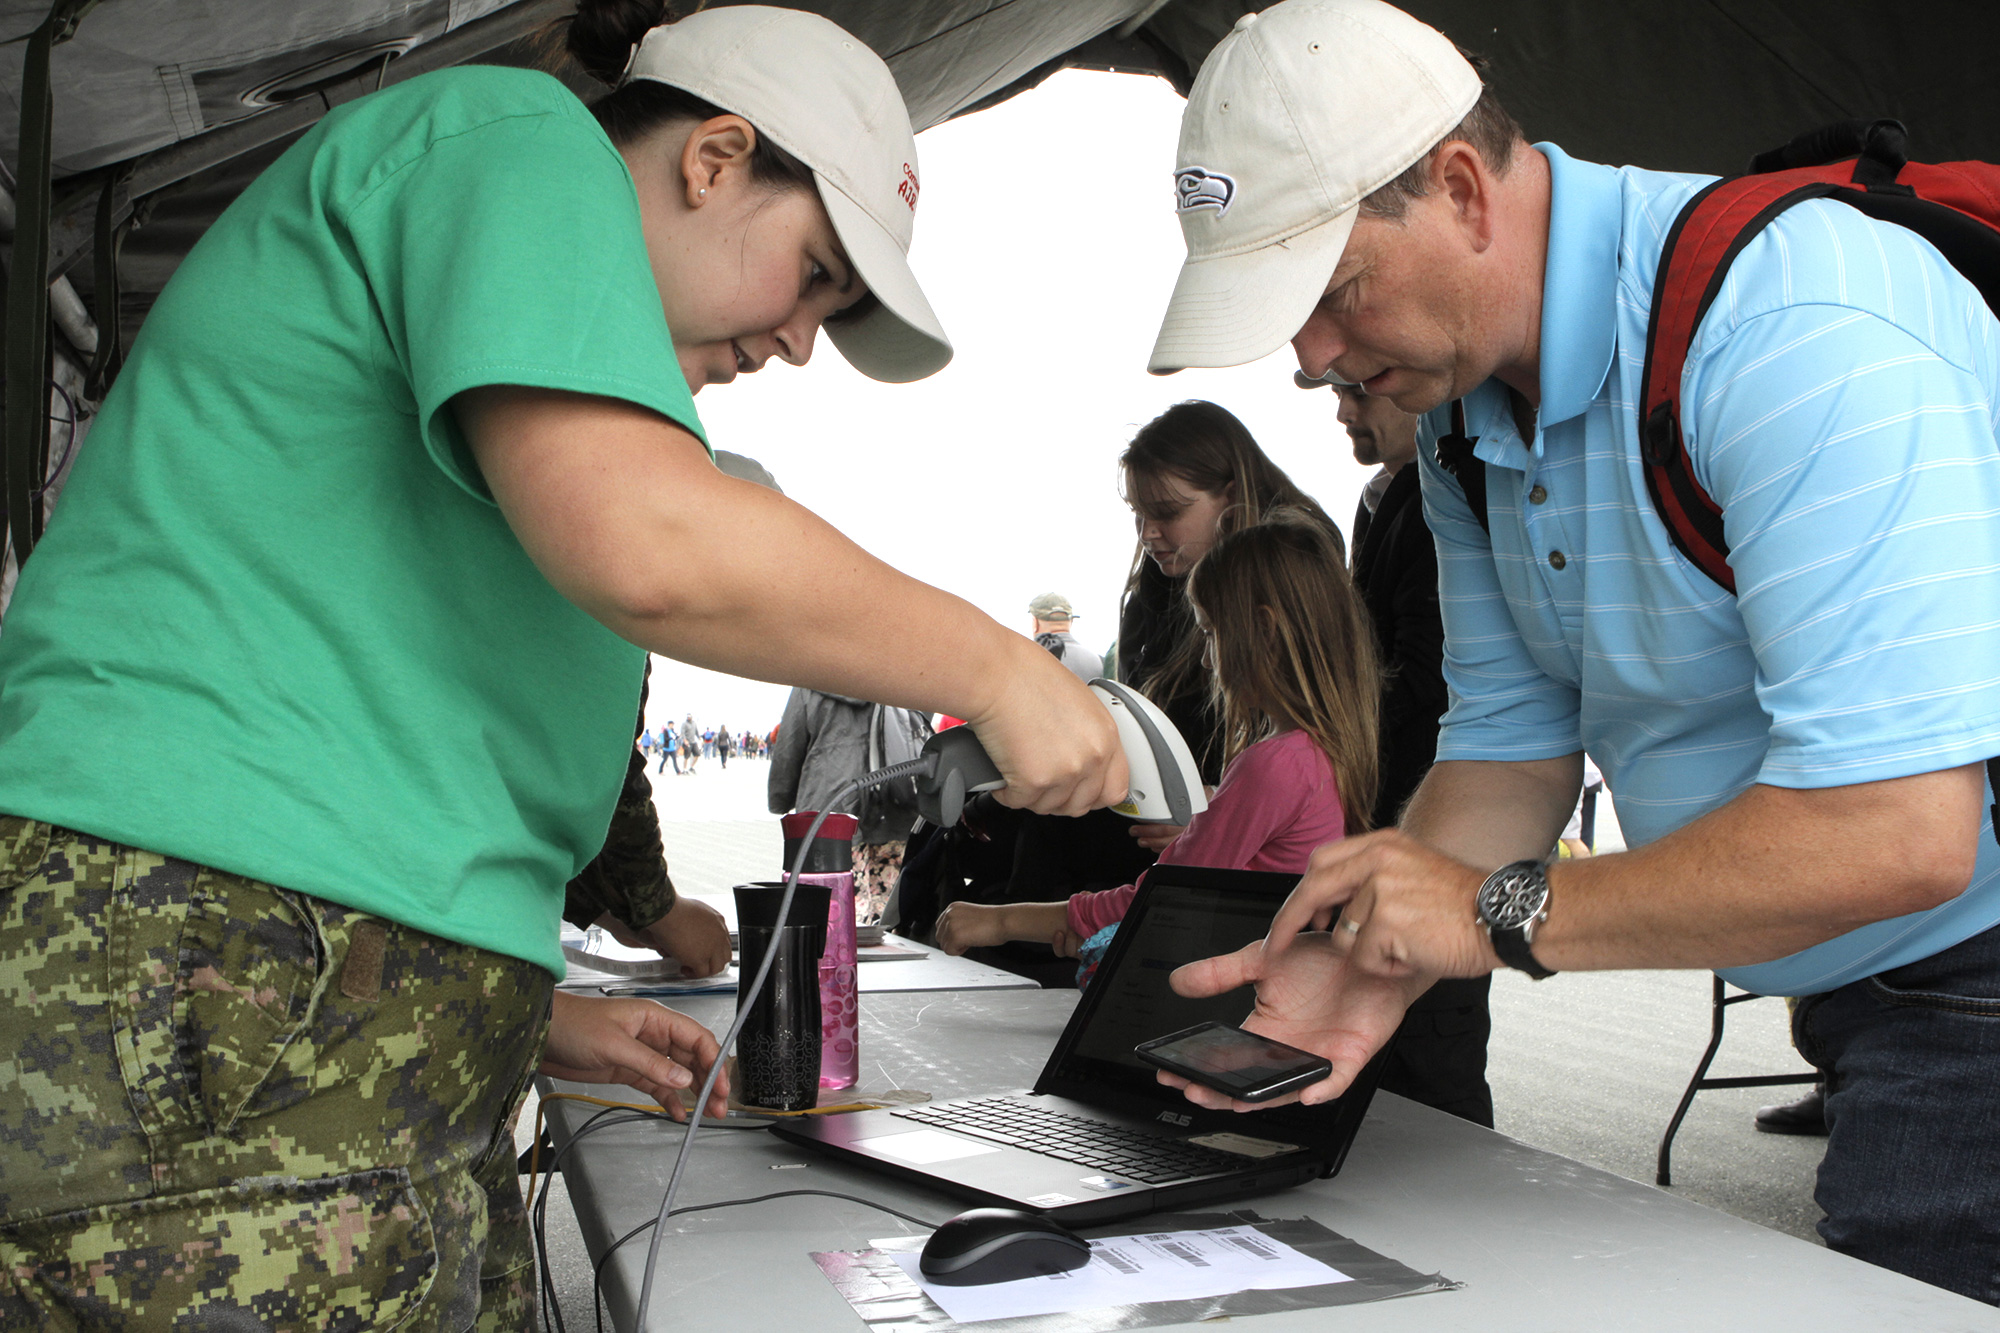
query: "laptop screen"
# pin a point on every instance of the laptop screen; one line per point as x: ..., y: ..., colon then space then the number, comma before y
x: 1131, y: 998
x: 1183, y: 913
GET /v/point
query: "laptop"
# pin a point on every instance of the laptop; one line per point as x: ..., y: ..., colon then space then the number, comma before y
x: 1097, y: 1138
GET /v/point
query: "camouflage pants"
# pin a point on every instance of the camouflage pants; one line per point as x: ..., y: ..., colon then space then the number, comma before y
x: 227, y: 1105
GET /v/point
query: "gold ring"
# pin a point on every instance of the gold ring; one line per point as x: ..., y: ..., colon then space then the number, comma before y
x: 1350, y: 925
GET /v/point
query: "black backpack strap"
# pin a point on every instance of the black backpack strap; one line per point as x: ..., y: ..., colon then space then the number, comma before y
x: 1454, y: 455
x: 1993, y: 781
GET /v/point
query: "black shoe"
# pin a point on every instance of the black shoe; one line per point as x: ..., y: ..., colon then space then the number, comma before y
x: 1807, y: 1115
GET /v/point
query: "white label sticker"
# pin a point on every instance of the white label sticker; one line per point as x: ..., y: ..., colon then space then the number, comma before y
x: 1050, y: 1200
x: 923, y: 1146
x: 1243, y: 1145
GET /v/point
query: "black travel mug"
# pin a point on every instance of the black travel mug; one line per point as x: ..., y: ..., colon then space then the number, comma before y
x: 777, y: 1048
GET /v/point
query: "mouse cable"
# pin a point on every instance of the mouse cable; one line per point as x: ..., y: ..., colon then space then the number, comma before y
x: 538, y: 1203
x: 597, y: 1270
x: 615, y: 1113
x: 746, y: 999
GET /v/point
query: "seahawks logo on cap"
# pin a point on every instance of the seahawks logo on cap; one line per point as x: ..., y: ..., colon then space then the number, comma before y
x: 1198, y: 187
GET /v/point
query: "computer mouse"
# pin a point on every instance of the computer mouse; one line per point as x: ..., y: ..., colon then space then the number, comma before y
x: 999, y: 1245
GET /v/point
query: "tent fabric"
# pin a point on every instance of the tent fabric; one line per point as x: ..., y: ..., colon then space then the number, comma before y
x: 1682, y: 85
x: 138, y: 77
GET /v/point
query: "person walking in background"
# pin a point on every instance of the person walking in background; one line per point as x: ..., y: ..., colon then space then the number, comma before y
x: 724, y: 743
x: 690, y: 744
x: 1053, y: 619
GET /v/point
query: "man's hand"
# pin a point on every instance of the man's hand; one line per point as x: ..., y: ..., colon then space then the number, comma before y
x: 1310, y: 997
x: 692, y: 933
x: 1404, y: 909
x: 1405, y: 917
x: 635, y: 1042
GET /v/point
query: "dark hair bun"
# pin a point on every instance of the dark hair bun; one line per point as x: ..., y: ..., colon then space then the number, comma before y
x: 603, y: 32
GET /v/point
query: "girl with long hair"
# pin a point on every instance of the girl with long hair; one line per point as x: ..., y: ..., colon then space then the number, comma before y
x: 1296, y: 695
x: 1191, y: 475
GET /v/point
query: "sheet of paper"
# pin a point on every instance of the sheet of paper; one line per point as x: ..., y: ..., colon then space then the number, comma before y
x: 1132, y: 1270
x: 722, y: 983
x: 622, y: 960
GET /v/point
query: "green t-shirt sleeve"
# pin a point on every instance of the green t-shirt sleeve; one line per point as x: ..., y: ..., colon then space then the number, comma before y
x: 511, y: 253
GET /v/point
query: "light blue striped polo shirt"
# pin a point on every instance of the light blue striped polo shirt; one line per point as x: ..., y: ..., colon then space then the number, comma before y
x: 1843, y: 394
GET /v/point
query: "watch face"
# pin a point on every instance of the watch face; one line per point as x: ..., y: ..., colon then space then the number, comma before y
x: 1513, y: 896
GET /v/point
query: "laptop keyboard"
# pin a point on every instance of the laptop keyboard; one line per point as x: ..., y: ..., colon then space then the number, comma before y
x: 1114, y: 1149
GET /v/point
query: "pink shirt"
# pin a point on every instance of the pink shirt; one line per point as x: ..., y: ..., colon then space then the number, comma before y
x: 1277, y: 802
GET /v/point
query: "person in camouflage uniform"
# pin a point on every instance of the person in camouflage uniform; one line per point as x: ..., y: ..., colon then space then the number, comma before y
x: 626, y: 888
x: 233, y: 1098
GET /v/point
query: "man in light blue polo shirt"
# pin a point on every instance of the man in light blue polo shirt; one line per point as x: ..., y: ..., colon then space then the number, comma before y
x: 1798, y: 766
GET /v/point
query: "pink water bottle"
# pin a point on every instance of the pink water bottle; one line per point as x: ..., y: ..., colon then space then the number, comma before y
x: 831, y: 862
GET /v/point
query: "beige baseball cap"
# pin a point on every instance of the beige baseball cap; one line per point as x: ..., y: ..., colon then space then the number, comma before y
x: 824, y: 97
x: 1298, y: 114
x: 1051, y: 606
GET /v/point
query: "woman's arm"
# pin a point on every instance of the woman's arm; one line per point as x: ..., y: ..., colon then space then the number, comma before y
x: 628, y: 517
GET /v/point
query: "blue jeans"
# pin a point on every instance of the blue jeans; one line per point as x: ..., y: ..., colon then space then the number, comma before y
x: 1911, y: 1179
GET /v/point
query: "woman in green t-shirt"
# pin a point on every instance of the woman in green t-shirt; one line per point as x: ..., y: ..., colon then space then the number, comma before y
x: 356, y: 580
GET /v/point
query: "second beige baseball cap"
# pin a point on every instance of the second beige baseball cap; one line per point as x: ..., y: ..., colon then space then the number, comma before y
x: 1299, y: 113
x: 823, y: 96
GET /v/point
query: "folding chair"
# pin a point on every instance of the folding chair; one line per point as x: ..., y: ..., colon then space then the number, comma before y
x: 1701, y: 1082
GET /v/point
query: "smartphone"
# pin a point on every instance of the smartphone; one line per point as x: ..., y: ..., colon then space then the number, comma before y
x: 1242, y: 1064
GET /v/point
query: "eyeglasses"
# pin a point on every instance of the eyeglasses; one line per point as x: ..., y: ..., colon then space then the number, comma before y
x: 1329, y: 379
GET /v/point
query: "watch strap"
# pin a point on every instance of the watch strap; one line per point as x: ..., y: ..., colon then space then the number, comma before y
x: 1512, y: 946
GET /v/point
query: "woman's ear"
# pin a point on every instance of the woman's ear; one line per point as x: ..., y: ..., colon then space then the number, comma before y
x: 716, y: 154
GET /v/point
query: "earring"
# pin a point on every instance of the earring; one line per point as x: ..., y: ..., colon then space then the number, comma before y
x: 701, y: 194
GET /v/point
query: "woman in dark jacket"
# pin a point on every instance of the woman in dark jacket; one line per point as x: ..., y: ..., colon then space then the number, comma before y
x: 1190, y: 475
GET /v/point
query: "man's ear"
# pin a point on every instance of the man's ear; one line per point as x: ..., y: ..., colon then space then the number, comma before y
x: 1460, y: 175
x: 715, y: 151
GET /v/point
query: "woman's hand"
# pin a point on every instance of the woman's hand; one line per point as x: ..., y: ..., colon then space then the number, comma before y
x: 1155, y: 837
x: 635, y: 1042
x: 692, y: 933
x: 1050, y: 737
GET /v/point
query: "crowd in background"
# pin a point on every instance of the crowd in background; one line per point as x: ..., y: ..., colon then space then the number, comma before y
x: 683, y: 746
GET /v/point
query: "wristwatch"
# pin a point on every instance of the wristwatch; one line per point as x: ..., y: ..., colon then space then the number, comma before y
x: 1512, y: 902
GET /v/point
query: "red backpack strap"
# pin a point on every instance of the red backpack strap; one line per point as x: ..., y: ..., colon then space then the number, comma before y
x: 1709, y: 233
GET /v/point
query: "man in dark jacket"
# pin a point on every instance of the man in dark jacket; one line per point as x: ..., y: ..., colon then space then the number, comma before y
x: 1439, y: 1057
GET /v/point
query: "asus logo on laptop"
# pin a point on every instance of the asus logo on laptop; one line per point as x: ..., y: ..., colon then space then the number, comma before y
x: 1175, y: 1118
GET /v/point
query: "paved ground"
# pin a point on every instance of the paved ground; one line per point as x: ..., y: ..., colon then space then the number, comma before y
x: 1589, y: 1066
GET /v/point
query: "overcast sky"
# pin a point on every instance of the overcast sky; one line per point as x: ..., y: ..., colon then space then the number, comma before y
x: 1047, y: 243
